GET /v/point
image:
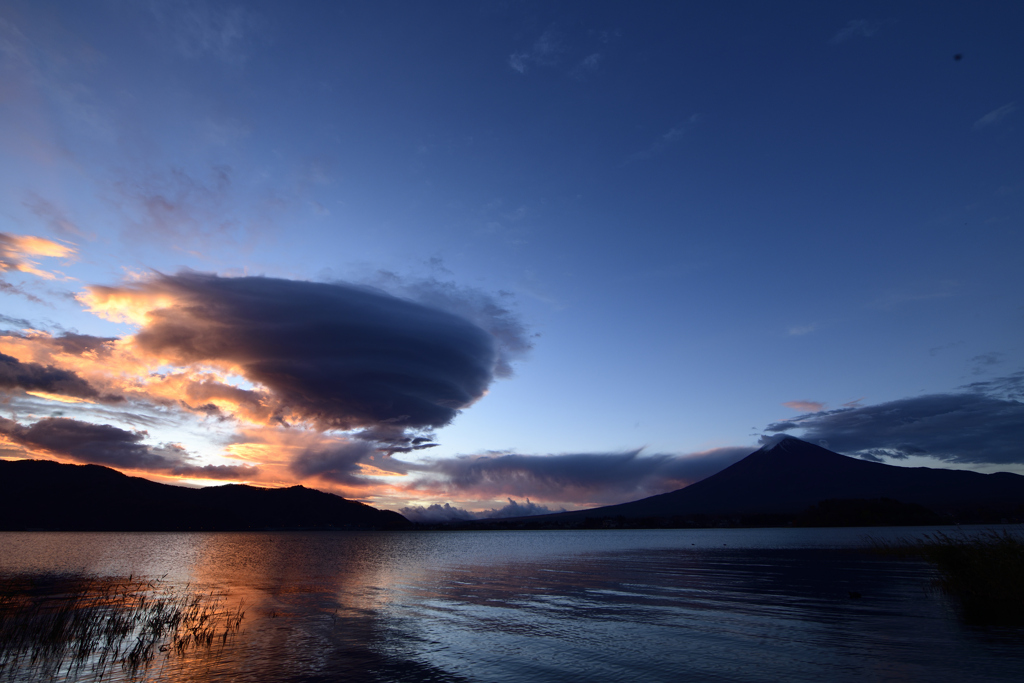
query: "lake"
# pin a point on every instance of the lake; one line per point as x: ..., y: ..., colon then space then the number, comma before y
x: 595, y: 605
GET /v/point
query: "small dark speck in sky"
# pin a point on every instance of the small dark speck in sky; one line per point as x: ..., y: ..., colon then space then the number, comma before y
x: 958, y: 56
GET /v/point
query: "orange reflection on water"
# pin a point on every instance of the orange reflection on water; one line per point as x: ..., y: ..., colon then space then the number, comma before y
x: 310, y: 601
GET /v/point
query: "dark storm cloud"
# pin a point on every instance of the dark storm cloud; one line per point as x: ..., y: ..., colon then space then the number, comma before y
x: 335, y: 355
x: 964, y: 428
x: 78, y: 344
x: 17, y: 322
x: 389, y: 439
x: 37, y: 377
x: 227, y: 472
x: 336, y: 463
x: 1010, y: 387
x: 781, y: 426
x: 482, y: 309
x: 436, y: 514
x: 86, y: 442
x: 67, y: 342
x: 576, y: 477
x: 515, y: 509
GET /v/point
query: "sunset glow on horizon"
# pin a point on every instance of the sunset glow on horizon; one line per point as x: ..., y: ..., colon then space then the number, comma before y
x: 486, y: 259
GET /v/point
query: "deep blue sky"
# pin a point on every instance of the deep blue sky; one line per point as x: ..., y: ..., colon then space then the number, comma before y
x: 695, y: 214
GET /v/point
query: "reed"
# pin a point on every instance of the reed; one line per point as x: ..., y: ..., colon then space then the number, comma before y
x: 983, y: 572
x: 64, y: 626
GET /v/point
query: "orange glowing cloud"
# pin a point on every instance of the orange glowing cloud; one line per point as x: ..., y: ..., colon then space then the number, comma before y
x: 37, y: 246
x: 15, y: 251
x: 125, y: 304
x: 58, y: 397
x: 117, y: 367
x: 330, y: 462
x: 329, y: 356
x: 317, y: 382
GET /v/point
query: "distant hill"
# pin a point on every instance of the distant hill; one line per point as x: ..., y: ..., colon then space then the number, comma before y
x: 39, y: 494
x: 796, y: 480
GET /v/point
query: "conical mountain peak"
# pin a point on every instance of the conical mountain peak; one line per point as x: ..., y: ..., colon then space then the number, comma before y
x: 787, y: 475
x: 779, y: 440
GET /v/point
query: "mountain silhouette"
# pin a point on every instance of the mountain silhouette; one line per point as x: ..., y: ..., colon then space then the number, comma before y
x: 40, y: 494
x: 791, y: 476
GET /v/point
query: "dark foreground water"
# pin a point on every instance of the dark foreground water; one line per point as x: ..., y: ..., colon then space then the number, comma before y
x: 610, y: 605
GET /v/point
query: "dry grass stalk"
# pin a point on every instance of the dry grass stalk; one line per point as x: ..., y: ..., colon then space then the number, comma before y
x: 983, y: 572
x: 50, y: 625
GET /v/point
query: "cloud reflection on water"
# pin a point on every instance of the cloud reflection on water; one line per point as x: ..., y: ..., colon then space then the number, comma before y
x: 732, y: 605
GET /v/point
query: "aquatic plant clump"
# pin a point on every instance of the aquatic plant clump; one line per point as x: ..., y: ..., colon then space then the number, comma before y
x: 982, y: 572
x: 67, y: 626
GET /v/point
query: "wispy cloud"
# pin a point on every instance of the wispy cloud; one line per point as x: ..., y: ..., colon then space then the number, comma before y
x: 1008, y: 387
x: 978, y: 426
x: 43, y: 69
x: 505, y: 223
x: 800, y: 330
x: 580, y: 478
x: 17, y: 322
x: 545, y: 51
x: 586, y: 67
x: 225, y: 131
x: 855, y: 28
x: 895, y: 298
x: 177, y: 207
x: 666, y: 140
x: 53, y: 216
x: 205, y: 28
x: 984, y: 362
x: 18, y: 290
x: 805, y: 406
x: 936, y: 350
x: 995, y: 116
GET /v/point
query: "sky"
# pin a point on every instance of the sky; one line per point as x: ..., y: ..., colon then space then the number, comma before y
x: 483, y: 258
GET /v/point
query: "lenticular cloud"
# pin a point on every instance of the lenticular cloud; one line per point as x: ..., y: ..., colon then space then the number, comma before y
x: 336, y: 356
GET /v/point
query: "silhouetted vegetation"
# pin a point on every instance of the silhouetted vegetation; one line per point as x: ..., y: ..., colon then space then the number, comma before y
x: 982, y: 572
x: 52, y: 627
x: 870, y: 512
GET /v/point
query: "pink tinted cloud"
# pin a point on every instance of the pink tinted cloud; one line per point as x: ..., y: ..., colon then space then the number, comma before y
x: 805, y: 406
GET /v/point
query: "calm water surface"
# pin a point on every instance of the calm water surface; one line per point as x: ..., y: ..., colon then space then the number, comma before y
x: 608, y: 605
